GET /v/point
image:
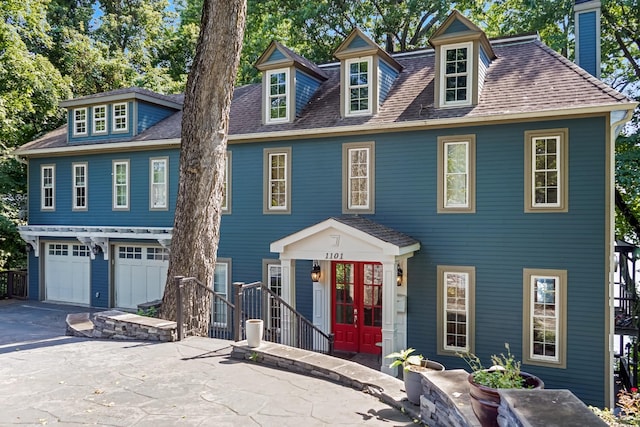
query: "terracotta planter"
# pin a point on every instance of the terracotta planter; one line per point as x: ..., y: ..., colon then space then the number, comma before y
x: 413, y: 379
x: 485, y: 400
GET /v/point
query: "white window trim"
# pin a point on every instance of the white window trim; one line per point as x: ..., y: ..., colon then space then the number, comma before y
x: 127, y: 186
x: 268, y: 264
x: 562, y: 135
x: 268, y: 208
x: 558, y: 170
x: 76, y: 122
x: 227, y: 263
x: 96, y: 119
x: 287, y: 94
x: 470, y: 272
x: 443, y: 76
x: 75, y: 206
x: 152, y: 161
x: 447, y: 204
x: 347, y: 149
x: 53, y: 188
x: 114, y: 117
x: 559, y: 360
x: 347, y: 86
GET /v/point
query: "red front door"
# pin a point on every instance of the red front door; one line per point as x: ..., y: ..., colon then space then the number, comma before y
x: 356, y: 311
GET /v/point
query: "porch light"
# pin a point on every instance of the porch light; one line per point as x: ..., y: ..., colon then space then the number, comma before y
x: 399, y: 278
x: 315, y: 272
x: 96, y: 249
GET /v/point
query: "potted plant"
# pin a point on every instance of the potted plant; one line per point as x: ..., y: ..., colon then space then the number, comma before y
x: 413, y: 366
x: 485, y: 383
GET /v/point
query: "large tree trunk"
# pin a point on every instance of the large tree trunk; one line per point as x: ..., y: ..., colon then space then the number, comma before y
x: 205, y: 123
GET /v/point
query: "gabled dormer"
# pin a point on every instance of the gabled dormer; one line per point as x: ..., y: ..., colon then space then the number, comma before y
x: 463, y: 55
x: 288, y: 82
x: 366, y: 75
x: 116, y: 115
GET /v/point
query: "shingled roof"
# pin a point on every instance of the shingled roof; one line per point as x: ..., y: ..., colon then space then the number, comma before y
x: 527, y: 77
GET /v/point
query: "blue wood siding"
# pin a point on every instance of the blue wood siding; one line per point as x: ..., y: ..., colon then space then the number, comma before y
x: 99, y: 282
x: 104, y: 137
x: 387, y: 77
x: 150, y: 114
x: 357, y: 42
x: 305, y: 88
x: 500, y: 240
x: 588, y: 42
x: 275, y: 56
x: 99, y: 193
x: 33, y: 276
x: 456, y: 27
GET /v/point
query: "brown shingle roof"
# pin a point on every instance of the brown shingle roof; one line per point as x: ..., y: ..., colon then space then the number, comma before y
x: 527, y: 76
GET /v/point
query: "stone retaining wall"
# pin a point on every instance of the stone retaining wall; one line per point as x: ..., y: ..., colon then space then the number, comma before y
x: 116, y: 324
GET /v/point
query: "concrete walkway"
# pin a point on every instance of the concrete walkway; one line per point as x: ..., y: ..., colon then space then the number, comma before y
x: 47, y: 378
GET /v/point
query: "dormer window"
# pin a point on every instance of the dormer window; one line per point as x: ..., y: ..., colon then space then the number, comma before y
x: 79, y: 121
x: 277, y: 98
x: 100, y: 119
x: 358, y: 86
x: 456, y: 75
x: 120, y: 117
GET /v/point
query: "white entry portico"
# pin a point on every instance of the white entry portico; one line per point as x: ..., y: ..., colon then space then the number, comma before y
x: 355, y: 239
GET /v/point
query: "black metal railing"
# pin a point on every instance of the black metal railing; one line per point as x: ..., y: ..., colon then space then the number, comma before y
x: 13, y: 284
x: 282, y: 323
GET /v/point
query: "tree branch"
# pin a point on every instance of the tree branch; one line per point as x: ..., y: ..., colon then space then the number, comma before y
x: 627, y: 213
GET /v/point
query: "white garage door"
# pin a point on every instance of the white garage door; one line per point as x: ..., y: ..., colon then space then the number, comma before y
x: 67, y: 273
x: 140, y: 274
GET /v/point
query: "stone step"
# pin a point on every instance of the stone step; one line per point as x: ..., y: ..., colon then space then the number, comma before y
x: 79, y: 325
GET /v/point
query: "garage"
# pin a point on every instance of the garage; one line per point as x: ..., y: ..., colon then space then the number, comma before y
x: 140, y: 274
x: 67, y: 273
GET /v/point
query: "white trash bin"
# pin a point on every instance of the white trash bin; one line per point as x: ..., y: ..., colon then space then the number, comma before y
x: 254, y: 329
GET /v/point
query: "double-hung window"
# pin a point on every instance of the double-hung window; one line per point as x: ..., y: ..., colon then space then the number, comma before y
x: 278, y: 93
x: 121, y: 184
x: 100, y: 119
x: 456, y: 74
x: 120, y: 117
x: 456, y: 309
x: 221, y: 285
x: 158, y: 191
x: 80, y: 122
x: 358, y: 86
x: 456, y: 174
x: 546, y: 170
x: 358, y: 180
x: 79, y: 186
x: 544, y: 311
x: 48, y: 187
x: 277, y: 168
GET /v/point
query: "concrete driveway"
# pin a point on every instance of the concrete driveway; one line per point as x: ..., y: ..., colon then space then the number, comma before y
x: 47, y: 378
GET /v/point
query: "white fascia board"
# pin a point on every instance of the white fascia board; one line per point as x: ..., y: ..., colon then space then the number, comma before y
x: 77, y: 232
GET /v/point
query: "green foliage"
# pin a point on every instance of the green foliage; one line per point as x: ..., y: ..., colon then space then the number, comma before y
x: 505, y: 372
x: 149, y: 312
x: 628, y: 183
x: 629, y: 415
x: 405, y: 359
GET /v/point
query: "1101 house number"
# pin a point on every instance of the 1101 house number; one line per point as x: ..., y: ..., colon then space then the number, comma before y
x: 333, y: 255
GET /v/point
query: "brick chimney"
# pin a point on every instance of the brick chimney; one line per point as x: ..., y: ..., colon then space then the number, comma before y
x: 587, y: 24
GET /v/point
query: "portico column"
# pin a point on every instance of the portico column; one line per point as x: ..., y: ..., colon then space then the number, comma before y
x: 388, y: 313
x: 288, y: 295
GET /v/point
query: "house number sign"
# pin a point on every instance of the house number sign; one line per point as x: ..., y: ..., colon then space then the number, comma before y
x: 333, y: 255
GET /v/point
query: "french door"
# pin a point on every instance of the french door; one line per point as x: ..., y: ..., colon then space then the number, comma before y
x: 356, y: 309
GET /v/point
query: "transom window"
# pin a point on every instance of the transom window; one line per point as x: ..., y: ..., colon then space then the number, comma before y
x: 546, y: 171
x: 456, y: 74
x: 456, y: 290
x: 120, y: 117
x: 456, y: 174
x: 277, y: 95
x: 358, y: 178
x: 277, y: 180
x: 130, y: 252
x: 158, y: 254
x: 121, y: 184
x: 47, y: 189
x: 80, y: 250
x: 80, y: 121
x: 100, y: 119
x: 80, y: 186
x: 58, y: 249
x: 358, y: 87
x: 158, y: 190
x: 545, y: 320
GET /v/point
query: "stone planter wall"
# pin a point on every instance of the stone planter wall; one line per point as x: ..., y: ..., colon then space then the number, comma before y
x: 126, y: 326
x: 445, y: 402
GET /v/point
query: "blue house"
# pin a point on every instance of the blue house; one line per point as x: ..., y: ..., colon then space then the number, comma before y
x: 453, y: 199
